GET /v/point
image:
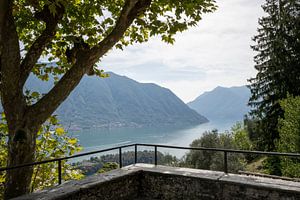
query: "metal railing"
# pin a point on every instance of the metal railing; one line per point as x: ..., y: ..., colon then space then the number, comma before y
x: 225, y: 151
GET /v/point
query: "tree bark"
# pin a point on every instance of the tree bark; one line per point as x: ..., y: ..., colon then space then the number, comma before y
x: 21, y: 150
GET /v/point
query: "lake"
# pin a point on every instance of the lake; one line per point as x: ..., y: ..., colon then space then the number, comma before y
x: 96, y: 139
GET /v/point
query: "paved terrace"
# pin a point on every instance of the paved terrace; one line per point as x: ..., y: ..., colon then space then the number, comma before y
x: 146, y: 181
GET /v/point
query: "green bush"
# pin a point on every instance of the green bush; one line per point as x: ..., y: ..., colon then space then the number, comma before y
x: 108, y: 167
x: 289, y: 132
x: 214, y: 160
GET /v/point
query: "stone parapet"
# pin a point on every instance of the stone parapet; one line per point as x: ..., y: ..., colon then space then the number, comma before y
x: 145, y: 181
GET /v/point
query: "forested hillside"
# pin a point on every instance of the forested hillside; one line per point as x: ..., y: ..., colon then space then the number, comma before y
x: 118, y: 101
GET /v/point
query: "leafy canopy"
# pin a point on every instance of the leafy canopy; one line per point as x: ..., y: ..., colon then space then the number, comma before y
x: 91, y: 21
x: 74, y: 34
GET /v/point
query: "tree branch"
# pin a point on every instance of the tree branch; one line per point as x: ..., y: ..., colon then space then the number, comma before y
x: 49, y: 103
x: 85, y: 60
x: 42, y: 41
x: 131, y: 10
x: 3, y: 11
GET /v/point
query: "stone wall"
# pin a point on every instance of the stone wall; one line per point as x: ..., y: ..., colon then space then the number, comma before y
x: 169, y: 186
x: 178, y: 187
x: 115, y: 185
x: 144, y: 181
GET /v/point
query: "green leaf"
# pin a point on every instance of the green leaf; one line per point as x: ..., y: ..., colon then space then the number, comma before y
x: 59, y: 131
x: 72, y: 141
x: 52, y: 8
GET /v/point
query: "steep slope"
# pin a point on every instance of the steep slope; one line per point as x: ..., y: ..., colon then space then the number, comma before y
x: 223, y: 104
x: 119, y: 101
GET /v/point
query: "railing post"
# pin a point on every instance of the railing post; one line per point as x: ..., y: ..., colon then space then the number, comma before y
x: 120, y: 157
x: 135, y: 153
x: 59, y: 172
x: 155, y: 156
x: 225, y: 163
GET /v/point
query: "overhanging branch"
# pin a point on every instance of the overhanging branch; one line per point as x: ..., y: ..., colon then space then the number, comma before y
x: 130, y: 11
x: 88, y: 57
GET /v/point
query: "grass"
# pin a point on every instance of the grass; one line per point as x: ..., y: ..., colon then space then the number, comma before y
x: 256, y: 166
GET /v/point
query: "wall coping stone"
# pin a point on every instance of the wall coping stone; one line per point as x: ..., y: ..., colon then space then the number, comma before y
x: 221, y: 176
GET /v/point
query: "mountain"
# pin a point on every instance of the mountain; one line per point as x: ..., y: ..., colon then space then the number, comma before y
x: 118, y: 101
x: 223, y: 104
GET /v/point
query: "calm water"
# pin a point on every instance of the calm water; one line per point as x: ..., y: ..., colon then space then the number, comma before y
x: 95, y: 139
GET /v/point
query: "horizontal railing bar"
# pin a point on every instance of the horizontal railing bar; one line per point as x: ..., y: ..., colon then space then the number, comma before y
x: 64, y: 158
x: 222, y: 150
x: 153, y: 145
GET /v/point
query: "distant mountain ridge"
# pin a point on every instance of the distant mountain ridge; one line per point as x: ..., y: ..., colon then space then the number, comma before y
x: 119, y: 101
x: 223, y: 104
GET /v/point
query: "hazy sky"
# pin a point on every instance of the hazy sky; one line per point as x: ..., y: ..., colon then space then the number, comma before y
x: 215, y: 53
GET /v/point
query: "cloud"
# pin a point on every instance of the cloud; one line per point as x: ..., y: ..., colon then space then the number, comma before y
x: 216, y: 52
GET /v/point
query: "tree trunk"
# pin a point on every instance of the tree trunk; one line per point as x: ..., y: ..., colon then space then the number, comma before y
x: 21, y: 150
